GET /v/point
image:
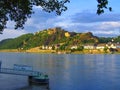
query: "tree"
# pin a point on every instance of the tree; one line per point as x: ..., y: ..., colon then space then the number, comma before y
x: 20, y: 10
x: 53, y: 47
x: 105, y: 49
x: 102, y: 4
x: 80, y: 48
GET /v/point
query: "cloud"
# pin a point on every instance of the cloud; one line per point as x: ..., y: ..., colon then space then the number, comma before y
x: 110, y: 24
x: 40, y: 20
x: 88, y: 17
x: 111, y: 33
x: 104, y: 25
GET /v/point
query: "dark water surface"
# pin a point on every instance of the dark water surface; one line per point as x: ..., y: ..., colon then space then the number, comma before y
x: 66, y: 72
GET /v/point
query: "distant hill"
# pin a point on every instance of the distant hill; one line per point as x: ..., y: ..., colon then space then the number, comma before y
x: 49, y: 37
x: 15, y: 43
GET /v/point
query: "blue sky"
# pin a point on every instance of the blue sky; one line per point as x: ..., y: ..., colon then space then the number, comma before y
x: 80, y: 17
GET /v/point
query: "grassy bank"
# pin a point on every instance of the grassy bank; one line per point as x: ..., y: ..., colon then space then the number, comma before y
x: 35, y: 50
x: 9, y: 50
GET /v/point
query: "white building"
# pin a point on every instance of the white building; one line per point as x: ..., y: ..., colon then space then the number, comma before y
x: 74, y: 47
x: 89, y: 47
x: 111, y: 46
x: 100, y: 46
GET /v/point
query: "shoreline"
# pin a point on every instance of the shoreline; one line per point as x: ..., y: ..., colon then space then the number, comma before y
x: 57, y: 52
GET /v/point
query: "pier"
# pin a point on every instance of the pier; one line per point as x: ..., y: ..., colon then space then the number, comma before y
x: 19, y: 72
x: 24, y: 70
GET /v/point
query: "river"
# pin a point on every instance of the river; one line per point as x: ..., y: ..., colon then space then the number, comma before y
x: 66, y: 71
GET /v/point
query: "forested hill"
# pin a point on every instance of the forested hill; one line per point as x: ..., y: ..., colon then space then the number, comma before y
x: 51, y: 37
x: 15, y: 43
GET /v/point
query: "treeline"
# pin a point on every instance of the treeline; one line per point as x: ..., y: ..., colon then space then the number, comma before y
x: 109, y: 39
x: 15, y: 43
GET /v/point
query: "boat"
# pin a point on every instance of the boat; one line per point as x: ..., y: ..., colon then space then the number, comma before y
x: 41, y: 79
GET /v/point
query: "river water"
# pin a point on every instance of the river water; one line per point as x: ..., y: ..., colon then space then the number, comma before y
x: 66, y: 71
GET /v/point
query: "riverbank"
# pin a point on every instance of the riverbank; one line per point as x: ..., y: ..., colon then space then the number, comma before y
x: 95, y: 51
x: 9, y: 50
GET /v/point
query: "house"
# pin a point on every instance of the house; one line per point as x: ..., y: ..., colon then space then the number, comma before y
x: 47, y: 47
x: 117, y: 45
x: 43, y: 47
x: 74, y: 47
x: 89, y: 47
x: 100, y: 46
x: 111, y: 45
x: 50, y: 47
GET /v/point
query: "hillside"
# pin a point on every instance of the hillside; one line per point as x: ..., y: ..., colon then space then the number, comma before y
x: 49, y: 37
x: 15, y: 43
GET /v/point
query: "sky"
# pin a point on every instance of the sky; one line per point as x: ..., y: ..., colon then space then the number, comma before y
x: 80, y: 17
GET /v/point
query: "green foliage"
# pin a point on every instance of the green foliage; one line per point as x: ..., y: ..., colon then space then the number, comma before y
x: 80, y: 48
x: 105, y: 49
x: 109, y: 39
x: 20, y: 10
x: 104, y: 40
x: 102, y: 4
x: 83, y: 38
x: 47, y: 37
x: 63, y: 47
x: 53, y: 47
x: 15, y: 43
x: 73, y: 50
x: 117, y: 39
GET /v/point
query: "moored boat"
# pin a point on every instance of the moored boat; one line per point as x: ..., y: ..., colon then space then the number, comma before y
x: 41, y: 79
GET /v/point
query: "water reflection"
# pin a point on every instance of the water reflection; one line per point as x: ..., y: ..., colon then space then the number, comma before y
x: 66, y: 72
x: 33, y: 87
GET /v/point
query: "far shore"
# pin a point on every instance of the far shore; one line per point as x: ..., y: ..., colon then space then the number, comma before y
x: 9, y: 50
x: 59, y: 51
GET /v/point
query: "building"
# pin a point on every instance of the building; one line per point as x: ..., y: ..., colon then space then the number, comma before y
x: 100, y: 46
x: 74, y: 47
x: 111, y: 45
x: 89, y: 47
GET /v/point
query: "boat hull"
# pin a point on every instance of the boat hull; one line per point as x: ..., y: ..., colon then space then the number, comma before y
x: 41, y: 81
